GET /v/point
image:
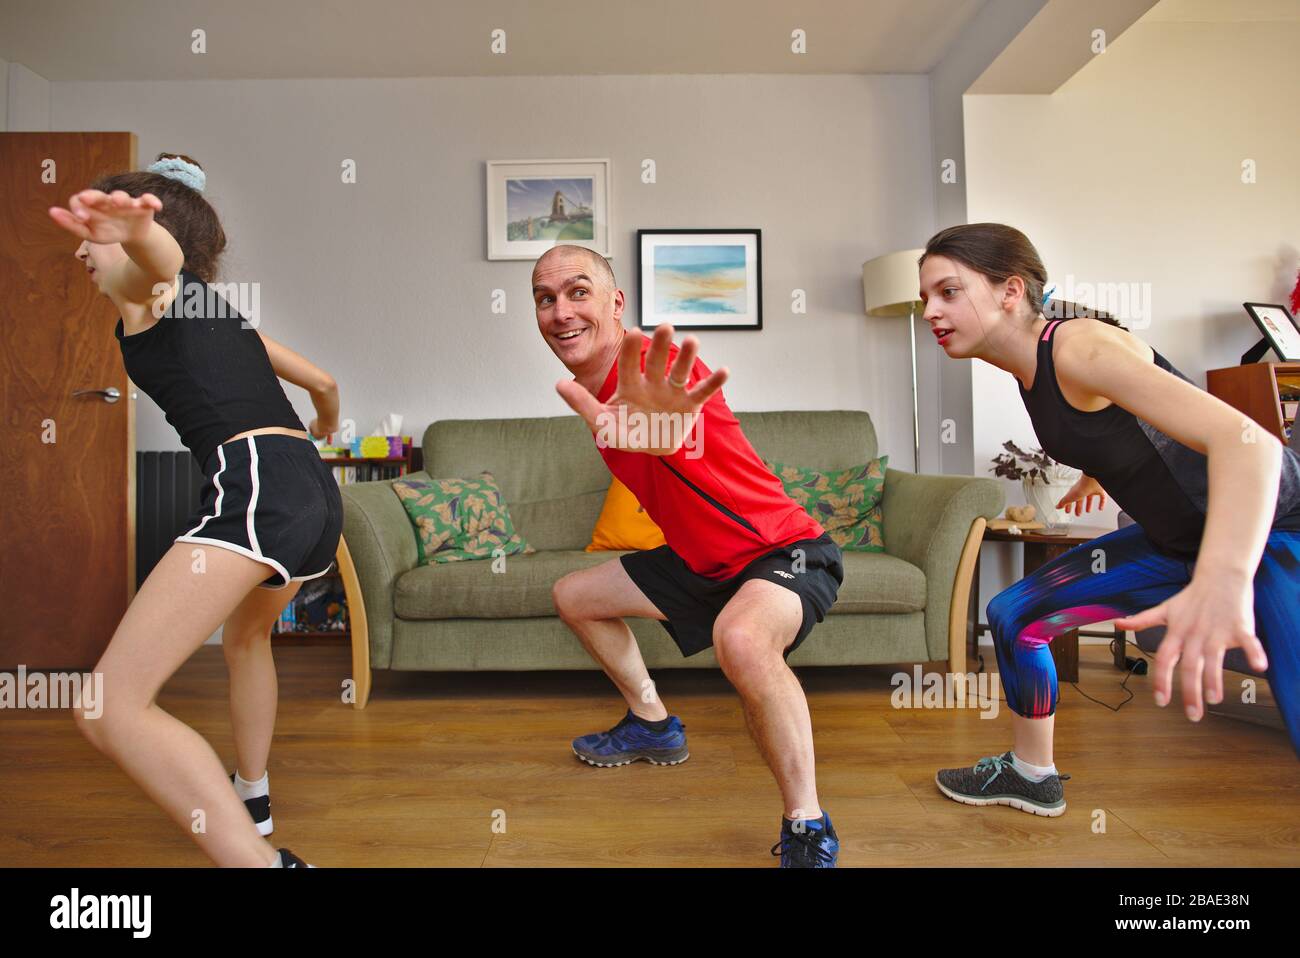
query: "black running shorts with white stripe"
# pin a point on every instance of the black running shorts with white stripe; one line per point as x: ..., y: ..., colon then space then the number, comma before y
x: 270, y: 497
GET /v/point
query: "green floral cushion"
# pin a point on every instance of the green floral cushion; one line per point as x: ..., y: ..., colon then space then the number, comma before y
x: 459, y: 519
x: 846, y: 503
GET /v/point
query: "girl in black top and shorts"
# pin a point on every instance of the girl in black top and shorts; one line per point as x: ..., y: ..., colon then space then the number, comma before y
x: 270, y: 514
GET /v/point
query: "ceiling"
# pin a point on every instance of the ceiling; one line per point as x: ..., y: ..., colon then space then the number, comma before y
x: 1225, y: 11
x: 265, y: 39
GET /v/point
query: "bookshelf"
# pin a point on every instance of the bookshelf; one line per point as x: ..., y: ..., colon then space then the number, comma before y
x: 309, y: 618
x: 1268, y: 393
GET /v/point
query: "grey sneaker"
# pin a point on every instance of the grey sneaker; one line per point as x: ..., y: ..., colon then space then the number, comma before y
x: 995, y: 781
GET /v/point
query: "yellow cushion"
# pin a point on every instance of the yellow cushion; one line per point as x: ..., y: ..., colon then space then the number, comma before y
x: 623, y: 524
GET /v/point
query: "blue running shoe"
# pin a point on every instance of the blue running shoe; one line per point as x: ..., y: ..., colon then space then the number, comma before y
x: 629, y: 740
x: 817, y: 846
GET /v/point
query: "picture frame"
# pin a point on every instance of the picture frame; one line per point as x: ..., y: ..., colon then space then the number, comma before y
x: 1279, y: 328
x: 700, y: 278
x: 533, y: 205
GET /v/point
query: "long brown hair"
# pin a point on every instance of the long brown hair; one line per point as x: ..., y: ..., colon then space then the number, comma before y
x: 186, y: 214
x: 999, y: 252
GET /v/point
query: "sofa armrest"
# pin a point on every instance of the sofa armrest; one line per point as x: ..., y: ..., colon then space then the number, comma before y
x: 382, y: 546
x: 927, y: 522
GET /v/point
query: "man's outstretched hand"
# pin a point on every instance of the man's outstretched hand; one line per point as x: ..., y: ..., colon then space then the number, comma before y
x: 660, y: 410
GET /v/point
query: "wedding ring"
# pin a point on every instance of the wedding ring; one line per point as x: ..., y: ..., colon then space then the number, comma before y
x: 676, y: 383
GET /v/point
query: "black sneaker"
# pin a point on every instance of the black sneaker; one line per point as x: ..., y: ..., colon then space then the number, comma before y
x: 995, y: 781
x: 260, y: 810
x: 289, y: 860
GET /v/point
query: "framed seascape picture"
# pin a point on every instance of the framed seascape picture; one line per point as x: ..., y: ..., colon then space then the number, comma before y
x: 533, y: 205
x: 700, y: 279
x: 1278, y: 328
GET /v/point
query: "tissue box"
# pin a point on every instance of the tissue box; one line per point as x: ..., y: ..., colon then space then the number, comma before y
x: 371, y: 447
x: 380, y: 447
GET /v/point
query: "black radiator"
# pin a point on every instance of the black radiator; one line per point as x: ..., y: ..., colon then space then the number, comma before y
x: 167, y: 487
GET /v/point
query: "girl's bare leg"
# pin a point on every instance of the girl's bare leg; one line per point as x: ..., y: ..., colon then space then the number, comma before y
x: 188, y: 594
x: 254, y: 692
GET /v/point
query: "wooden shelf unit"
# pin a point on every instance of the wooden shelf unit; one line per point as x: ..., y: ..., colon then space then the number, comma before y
x: 408, y: 463
x: 1260, y: 391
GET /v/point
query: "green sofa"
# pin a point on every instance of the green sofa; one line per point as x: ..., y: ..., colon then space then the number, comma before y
x: 908, y: 604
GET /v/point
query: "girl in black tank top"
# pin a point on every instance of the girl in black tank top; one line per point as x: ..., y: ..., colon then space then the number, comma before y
x: 1216, y: 561
x: 270, y: 512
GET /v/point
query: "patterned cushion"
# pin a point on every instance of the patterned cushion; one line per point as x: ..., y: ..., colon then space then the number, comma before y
x: 846, y: 502
x: 459, y: 519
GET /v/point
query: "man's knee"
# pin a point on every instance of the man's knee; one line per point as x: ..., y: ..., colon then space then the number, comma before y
x: 567, y: 595
x: 745, y: 652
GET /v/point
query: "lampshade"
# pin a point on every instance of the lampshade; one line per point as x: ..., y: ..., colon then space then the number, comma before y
x: 891, y: 283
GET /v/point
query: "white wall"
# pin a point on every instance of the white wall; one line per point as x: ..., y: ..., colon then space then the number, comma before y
x: 946, y: 385
x: 386, y: 283
x: 1131, y: 173
x: 28, y: 100
x: 4, y: 96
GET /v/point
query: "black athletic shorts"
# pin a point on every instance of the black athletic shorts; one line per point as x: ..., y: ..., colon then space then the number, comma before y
x: 692, y: 603
x: 271, y: 497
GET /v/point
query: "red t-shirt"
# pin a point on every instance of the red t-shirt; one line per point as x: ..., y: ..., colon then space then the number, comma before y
x: 718, y: 506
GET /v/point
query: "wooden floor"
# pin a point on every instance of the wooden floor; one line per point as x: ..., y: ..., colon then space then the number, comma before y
x: 417, y: 778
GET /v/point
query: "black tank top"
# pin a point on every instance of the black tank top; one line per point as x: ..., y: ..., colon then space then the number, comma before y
x: 1157, y: 480
x: 207, y: 369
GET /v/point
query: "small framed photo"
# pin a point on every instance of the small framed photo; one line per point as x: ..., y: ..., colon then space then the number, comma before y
x: 533, y: 205
x: 1279, y: 329
x: 701, y: 279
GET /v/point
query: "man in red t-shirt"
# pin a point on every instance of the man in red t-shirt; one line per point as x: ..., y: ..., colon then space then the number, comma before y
x: 745, y: 569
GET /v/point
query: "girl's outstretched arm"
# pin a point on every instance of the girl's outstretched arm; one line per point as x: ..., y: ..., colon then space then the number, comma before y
x: 300, y: 371
x: 1216, y: 610
x: 153, y: 257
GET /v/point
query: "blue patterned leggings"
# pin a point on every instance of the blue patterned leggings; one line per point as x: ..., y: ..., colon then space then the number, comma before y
x: 1077, y: 588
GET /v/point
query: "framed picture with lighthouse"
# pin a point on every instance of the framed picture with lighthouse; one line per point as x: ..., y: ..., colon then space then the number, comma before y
x: 533, y: 205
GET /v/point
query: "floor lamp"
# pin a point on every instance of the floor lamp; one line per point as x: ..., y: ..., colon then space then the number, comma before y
x: 891, y: 287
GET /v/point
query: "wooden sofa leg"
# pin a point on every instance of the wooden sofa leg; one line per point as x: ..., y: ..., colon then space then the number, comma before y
x: 358, y: 626
x: 959, y: 607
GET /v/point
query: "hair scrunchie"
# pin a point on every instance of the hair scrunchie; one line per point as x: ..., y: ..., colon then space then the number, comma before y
x: 177, y: 169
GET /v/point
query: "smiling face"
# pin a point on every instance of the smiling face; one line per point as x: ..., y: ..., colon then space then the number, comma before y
x: 579, y: 311
x: 967, y: 312
x: 97, y: 258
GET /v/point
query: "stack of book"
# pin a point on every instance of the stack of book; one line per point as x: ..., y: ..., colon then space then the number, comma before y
x: 369, y: 459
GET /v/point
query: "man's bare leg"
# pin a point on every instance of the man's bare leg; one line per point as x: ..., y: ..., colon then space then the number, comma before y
x: 749, y: 637
x: 591, y: 603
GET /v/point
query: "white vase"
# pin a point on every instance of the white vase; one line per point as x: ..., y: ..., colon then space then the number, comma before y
x: 1044, y: 496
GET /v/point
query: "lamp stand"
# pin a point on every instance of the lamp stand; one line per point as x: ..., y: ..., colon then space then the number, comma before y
x: 916, y: 417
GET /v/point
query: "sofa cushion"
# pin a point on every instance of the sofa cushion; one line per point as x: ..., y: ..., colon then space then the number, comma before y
x: 457, y: 520
x: 472, y: 590
x: 878, y: 582
x: 551, y: 472
x: 873, y: 582
x: 846, y: 502
x: 624, y: 523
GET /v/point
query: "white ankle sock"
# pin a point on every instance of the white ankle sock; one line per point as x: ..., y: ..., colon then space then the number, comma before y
x: 246, y: 790
x: 279, y: 861
x: 1034, y: 773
